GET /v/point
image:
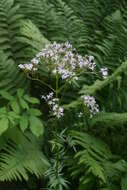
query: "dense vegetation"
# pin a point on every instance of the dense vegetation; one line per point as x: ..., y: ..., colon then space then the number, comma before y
x: 76, y: 148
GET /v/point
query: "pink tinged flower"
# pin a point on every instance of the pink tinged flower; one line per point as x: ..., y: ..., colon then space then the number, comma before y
x: 49, y: 96
x: 91, y: 58
x: 57, y: 110
x: 35, y: 61
x: 62, y: 57
x: 89, y: 62
x: 92, y: 66
x: 21, y: 66
x: 80, y: 61
x: 61, y: 50
x: 43, y: 97
x: 90, y: 102
x: 104, y: 72
x: 26, y: 66
x: 68, y: 45
x: 60, y: 112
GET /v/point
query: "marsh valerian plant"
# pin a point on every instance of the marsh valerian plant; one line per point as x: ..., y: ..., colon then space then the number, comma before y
x: 66, y: 65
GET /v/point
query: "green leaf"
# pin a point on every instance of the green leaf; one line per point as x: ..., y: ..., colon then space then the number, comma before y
x: 3, y: 110
x: 31, y: 100
x: 23, y: 104
x: 4, y: 124
x: 87, y: 186
x: 36, y: 126
x: 124, y: 183
x: 15, y: 106
x: 20, y: 93
x: 35, y: 112
x: 13, y: 114
x: 6, y: 95
x: 24, y: 122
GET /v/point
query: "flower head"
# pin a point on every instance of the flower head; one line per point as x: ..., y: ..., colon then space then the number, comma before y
x: 90, y: 102
x: 62, y: 60
x: 27, y: 67
x: 54, y: 105
x: 104, y: 72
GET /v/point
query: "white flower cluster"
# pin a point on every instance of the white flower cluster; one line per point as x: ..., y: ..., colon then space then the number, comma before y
x: 54, y: 104
x: 27, y: 67
x: 104, y: 72
x: 87, y: 62
x: 90, y: 102
x: 65, y: 62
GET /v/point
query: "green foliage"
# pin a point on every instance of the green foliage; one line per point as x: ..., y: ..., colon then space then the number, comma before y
x: 21, y: 153
x: 9, y: 28
x: 19, y: 159
x: 124, y: 183
x: 11, y: 77
x: 4, y: 123
x: 97, y: 160
x: 18, y: 112
x: 96, y: 155
x: 94, y: 151
x: 109, y: 119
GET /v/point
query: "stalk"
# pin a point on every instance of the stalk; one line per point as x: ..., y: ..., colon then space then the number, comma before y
x: 56, y: 124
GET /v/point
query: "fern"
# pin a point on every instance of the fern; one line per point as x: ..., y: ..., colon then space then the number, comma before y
x: 111, y: 119
x: 9, y: 28
x: 30, y: 34
x: 93, y: 27
x: 17, y: 160
x: 96, y: 158
x: 11, y: 77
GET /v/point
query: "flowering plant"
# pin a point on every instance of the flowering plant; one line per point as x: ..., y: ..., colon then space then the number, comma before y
x: 67, y: 66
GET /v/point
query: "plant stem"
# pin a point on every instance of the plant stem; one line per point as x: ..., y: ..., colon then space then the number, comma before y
x: 42, y: 82
x: 57, y: 153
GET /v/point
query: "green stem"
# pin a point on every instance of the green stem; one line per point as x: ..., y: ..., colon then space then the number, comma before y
x: 86, y: 119
x: 57, y: 153
x: 64, y: 90
x: 42, y: 82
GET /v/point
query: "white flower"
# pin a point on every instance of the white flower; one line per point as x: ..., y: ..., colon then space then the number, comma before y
x: 35, y: 61
x: 21, y: 66
x: 26, y: 66
x: 68, y: 45
x: 57, y: 110
x: 62, y: 60
x: 80, y: 61
x: 104, y: 72
x: 90, y: 102
x: 91, y: 58
x: 91, y: 63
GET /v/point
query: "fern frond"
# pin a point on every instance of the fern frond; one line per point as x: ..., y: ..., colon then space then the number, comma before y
x: 99, y: 85
x: 10, y: 75
x: 30, y: 34
x: 9, y: 27
x: 90, y: 142
x: 18, y: 160
x: 111, y: 119
x: 92, y: 165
